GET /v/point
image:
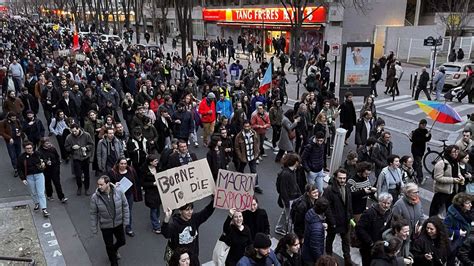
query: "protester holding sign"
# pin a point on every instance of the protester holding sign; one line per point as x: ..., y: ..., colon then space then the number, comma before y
x: 182, y: 228
x: 152, y: 196
x: 236, y: 235
x: 257, y: 219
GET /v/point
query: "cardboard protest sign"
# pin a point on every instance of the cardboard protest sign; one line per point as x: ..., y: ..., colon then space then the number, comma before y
x: 64, y: 52
x: 181, y: 185
x: 81, y: 57
x: 234, y: 190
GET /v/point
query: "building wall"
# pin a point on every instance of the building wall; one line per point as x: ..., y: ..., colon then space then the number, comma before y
x: 359, y: 27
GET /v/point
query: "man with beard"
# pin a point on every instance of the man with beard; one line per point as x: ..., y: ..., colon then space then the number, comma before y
x: 13, y: 104
x: 81, y: 147
x: 259, y: 253
x: 109, y: 209
x: 182, y: 157
x: 109, y: 149
x: 68, y: 105
x: 339, y: 196
x: 29, y: 102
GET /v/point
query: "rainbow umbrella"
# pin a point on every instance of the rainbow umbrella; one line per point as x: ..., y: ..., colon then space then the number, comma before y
x: 440, y: 112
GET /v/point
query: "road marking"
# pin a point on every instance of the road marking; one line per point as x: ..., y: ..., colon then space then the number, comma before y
x: 463, y: 107
x: 399, y: 105
x: 378, y: 102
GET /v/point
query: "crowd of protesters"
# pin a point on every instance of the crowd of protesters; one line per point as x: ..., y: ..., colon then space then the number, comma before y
x: 133, y: 112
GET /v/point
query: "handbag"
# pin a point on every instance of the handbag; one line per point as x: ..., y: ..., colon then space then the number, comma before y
x: 220, y: 252
x: 168, y: 253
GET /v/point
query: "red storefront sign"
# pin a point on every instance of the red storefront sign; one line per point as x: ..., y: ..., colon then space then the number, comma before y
x: 267, y: 15
x: 3, y: 8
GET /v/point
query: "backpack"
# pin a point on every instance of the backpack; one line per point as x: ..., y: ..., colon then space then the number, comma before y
x: 294, y: 206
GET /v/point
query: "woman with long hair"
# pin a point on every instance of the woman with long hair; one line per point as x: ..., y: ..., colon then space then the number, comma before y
x: 236, y: 235
x: 369, y: 105
x: 458, y: 222
x: 152, y: 196
x: 216, y: 156
x: 431, y: 248
x: 408, y: 172
x: 288, y: 250
x: 120, y: 171
x: 465, y: 169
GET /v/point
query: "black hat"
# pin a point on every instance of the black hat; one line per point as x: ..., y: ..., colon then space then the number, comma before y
x: 262, y: 241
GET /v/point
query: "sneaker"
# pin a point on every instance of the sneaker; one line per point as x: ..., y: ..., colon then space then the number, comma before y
x: 37, y: 206
x: 50, y: 198
x: 45, y: 213
x: 196, y: 144
x: 16, y: 173
x: 86, y: 192
x: 130, y: 233
x: 117, y: 254
x: 258, y: 190
x: 157, y: 231
x: 280, y: 232
x: 79, y: 191
x: 64, y: 200
x: 258, y: 161
x: 264, y: 155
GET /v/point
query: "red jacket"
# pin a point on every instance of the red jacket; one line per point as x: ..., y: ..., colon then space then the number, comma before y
x: 257, y: 120
x: 204, y: 109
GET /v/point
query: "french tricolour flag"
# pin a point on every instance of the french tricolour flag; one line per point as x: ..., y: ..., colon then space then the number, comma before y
x: 266, y: 81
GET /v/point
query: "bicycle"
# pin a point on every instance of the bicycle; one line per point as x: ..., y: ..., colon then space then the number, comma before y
x: 432, y: 157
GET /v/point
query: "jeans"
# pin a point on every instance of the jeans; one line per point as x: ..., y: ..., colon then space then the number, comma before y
x: 14, y: 151
x: 79, y: 168
x: 316, y: 178
x: 128, y: 228
x: 155, y: 218
x: 111, y: 247
x: 438, y: 93
x: 284, y: 221
x: 252, y: 166
x: 36, y: 185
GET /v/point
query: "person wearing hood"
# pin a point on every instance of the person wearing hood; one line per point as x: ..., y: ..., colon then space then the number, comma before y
x: 458, y: 222
x: 371, y: 225
x: 400, y: 228
x: 181, y: 229
x: 81, y: 147
x: 315, y: 226
x: 382, y: 149
x: 207, y: 110
x: 109, y: 209
x: 259, y: 253
x: 313, y: 160
x: 438, y: 82
x: 33, y: 128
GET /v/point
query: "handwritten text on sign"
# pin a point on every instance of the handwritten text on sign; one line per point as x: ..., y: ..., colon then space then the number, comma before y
x: 234, y: 190
x: 188, y: 183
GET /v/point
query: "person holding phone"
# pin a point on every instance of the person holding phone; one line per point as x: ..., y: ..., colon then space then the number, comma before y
x: 431, y: 248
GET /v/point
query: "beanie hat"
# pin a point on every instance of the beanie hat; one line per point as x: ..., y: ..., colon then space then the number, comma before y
x: 211, y: 95
x: 262, y: 241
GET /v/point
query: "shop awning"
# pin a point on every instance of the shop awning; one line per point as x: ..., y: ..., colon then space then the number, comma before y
x: 269, y: 26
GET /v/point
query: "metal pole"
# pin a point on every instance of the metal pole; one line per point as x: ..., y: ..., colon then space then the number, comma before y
x: 414, y: 84
x: 470, y: 47
x: 409, y: 50
x: 411, y: 81
x: 298, y: 89
x: 335, y: 67
x: 432, y: 69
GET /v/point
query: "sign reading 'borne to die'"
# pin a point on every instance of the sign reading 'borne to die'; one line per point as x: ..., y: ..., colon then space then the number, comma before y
x: 188, y: 183
x: 234, y: 190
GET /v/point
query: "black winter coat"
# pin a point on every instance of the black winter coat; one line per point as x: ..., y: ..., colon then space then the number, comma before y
x: 384, y: 260
x: 424, y: 244
x: 152, y: 196
x: 289, y: 189
x: 257, y: 222
x: 286, y: 260
x: 371, y: 225
x: 466, y: 252
x: 419, y: 140
x: 348, y: 115
x: 300, y: 211
x: 216, y: 161
x: 340, y: 212
x: 237, y: 241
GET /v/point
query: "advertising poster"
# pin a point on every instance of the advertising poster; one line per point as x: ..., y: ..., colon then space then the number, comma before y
x: 358, y: 64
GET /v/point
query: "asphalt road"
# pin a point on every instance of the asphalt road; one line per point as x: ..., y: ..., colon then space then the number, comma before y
x: 147, y: 248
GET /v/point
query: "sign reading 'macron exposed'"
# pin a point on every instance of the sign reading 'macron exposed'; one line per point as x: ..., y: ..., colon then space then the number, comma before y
x: 188, y: 183
x: 234, y: 190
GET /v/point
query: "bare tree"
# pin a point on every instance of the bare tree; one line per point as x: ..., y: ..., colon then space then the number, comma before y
x: 295, y: 10
x: 164, y: 5
x: 183, y: 12
x: 455, y: 15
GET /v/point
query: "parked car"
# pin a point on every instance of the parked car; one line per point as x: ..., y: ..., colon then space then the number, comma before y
x: 456, y: 73
x: 115, y: 38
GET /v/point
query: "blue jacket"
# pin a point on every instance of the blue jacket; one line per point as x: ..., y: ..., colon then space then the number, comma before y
x: 313, y: 156
x: 224, y: 108
x: 313, y: 246
x: 439, y: 80
x: 270, y: 261
x: 454, y: 222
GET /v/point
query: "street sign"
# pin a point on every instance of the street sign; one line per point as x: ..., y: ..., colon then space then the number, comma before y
x: 431, y: 41
x: 335, y: 49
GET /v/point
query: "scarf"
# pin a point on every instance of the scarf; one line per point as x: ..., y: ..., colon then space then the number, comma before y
x: 185, y: 159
